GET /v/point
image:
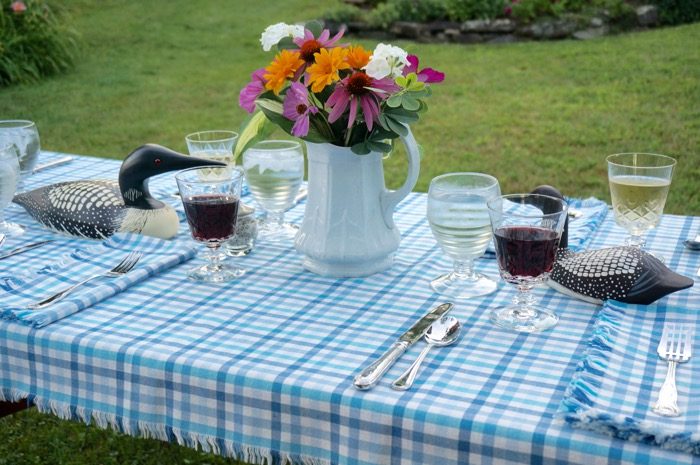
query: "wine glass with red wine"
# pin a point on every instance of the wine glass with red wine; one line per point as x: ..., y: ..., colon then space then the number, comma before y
x: 211, y: 196
x: 526, y: 229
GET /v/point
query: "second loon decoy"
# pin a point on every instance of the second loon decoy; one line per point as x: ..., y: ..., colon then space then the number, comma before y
x: 99, y: 208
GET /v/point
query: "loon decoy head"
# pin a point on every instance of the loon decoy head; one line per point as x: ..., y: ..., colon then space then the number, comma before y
x: 98, y: 209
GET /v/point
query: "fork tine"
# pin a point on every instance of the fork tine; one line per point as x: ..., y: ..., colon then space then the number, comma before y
x: 136, y: 256
x: 126, y: 264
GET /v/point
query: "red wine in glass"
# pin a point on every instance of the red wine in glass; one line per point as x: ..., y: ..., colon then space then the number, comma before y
x: 212, y: 217
x: 526, y: 251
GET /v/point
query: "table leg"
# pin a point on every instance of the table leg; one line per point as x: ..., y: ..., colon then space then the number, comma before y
x: 8, y: 408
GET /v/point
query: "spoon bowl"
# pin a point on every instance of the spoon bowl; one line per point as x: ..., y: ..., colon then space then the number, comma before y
x: 443, y: 332
x: 693, y: 244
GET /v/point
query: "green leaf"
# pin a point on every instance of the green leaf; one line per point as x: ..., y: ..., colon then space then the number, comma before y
x: 401, y: 81
x: 316, y: 27
x: 397, y: 127
x: 360, y: 149
x: 253, y: 130
x: 394, y: 101
x: 381, y: 147
x: 409, y: 103
x: 286, y: 43
x: 401, y: 115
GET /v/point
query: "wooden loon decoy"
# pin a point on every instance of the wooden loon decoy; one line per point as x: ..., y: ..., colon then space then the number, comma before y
x: 99, y: 208
x: 626, y: 274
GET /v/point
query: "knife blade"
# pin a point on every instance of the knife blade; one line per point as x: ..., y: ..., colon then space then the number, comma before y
x: 51, y: 164
x: 25, y: 248
x: 370, y: 375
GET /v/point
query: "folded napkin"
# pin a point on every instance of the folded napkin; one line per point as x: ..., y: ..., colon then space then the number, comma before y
x: 27, y: 288
x: 581, y: 229
x: 620, y: 375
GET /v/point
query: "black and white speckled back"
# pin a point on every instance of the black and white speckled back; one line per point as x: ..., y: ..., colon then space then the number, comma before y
x: 626, y: 274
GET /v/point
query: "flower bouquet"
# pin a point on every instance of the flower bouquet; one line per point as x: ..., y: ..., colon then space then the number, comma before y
x: 322, y: 91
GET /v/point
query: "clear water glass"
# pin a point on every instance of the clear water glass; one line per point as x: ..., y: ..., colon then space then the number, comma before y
x: 211, y: 203
x: 527, y: 229
x: 25, y: 136
x: 639, y: 185
x: 274, y: 172
x: 9, y: 178
x: 459, y: 219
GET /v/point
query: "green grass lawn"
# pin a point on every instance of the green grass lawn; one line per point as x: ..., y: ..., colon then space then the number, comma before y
x: 530, y: 114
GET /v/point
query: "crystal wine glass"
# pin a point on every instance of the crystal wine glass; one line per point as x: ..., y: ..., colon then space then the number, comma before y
x: 526, y: 231
x: 274, y: 171
x: 459, y: 219
x: 211, y: 199
x: 25, y: 136
x: 9, y: 177
x: 639, y: 184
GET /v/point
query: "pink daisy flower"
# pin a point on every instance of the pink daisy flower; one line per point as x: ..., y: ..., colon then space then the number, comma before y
x: 310, y: 45
x: 297, y: 108
x: 361, y: 90
x: 18, y: 7
x: 246, y: 99
x: 424, y: 75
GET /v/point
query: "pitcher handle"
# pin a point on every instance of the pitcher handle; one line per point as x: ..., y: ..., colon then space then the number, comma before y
x: 390, y: 199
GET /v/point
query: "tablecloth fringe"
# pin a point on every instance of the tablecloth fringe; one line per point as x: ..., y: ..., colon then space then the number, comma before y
x: 209, y: 444
x: 577, y: 407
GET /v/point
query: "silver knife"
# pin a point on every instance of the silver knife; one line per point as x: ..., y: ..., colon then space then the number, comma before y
x: 24, y: 248
x: 51, y: 164
x: 372, y: 373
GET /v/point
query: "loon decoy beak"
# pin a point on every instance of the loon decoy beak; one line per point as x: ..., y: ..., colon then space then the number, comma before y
x: 98, y: 209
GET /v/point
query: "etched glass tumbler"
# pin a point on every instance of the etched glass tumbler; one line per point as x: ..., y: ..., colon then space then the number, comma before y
x: 639, y: 185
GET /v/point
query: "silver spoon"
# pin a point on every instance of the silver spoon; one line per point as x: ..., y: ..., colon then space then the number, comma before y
x: 693, y: 244
x: 442, y: 333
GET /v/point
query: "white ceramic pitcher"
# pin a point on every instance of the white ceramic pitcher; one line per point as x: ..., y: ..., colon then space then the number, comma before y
x: 348, y: 228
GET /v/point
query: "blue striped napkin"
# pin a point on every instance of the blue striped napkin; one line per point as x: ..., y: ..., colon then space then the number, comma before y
x: 26, y: 288
x: 620, y: 375
x: 580, y: 229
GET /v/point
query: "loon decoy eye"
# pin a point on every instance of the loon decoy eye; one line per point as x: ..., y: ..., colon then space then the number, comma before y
x: 157, y: 161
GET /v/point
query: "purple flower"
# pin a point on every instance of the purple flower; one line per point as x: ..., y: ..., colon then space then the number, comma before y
x: 246, y: 99
x: 426, y: 74
x: 359, y: 88
x: 297, y: 108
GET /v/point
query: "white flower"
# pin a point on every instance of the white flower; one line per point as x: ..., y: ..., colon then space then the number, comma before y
x: 387, y: 60
x: 273, y: 34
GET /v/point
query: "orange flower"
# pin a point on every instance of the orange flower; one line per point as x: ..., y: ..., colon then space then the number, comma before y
x: 285, y: 64
x: 325, y: 70
x: 358, y: 57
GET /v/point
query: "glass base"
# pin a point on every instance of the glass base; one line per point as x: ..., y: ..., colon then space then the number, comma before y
x: 459, y: 287
x: 11, y: 229
x: 530, y: 320
x: 215, y: 274
x: 275, y: 232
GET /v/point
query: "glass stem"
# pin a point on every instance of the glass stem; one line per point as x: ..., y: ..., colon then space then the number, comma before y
x: 525, y: 301
x: 276, y: 218
x: 464, y: 269
x: 214, y: 256
x: 636, y: 240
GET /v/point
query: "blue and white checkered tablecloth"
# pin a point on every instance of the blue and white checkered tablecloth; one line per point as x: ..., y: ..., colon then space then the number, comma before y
x: 261, y: 369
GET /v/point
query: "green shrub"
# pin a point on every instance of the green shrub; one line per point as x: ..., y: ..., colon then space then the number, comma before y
x: 530, y: 10
x: 464, y: 10
x: 422, y: 11
x: 344, y: 13
x: 678, y: 11
x: 34, y: 42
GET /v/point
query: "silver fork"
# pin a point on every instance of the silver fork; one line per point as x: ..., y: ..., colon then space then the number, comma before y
x: 123, y: 267
x: 674, y: 347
